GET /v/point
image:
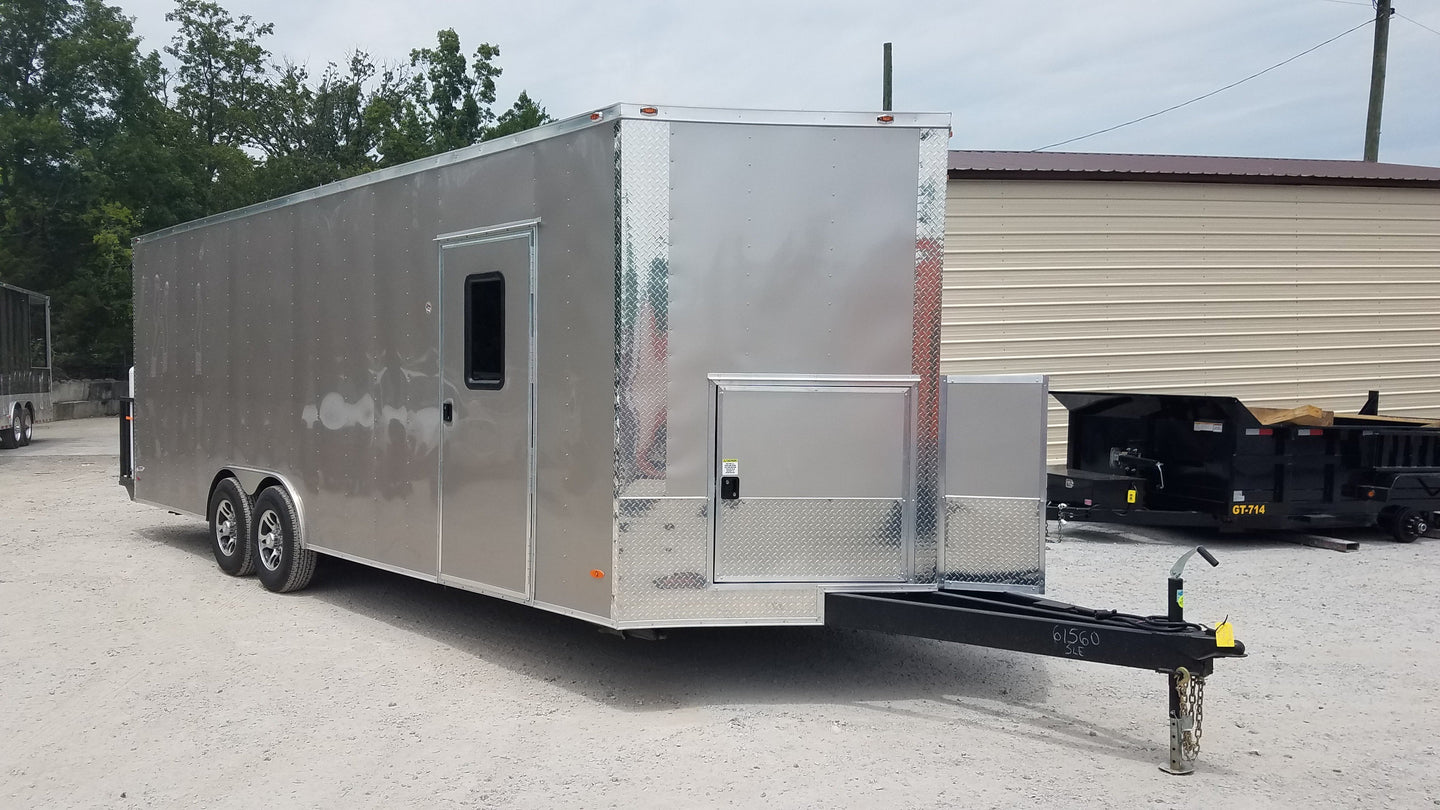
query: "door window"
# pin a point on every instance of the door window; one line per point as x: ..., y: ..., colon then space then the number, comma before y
x: 485, y: 331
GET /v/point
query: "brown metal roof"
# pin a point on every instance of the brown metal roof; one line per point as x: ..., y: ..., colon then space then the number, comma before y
x: 1187, y: 168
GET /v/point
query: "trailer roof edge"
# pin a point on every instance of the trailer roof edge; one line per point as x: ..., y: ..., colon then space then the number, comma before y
x: 589, y: 118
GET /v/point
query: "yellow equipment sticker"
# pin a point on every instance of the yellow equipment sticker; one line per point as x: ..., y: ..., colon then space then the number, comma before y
x: 1130, y: 496
x: 1248, y: 509
x: 1224, y: 635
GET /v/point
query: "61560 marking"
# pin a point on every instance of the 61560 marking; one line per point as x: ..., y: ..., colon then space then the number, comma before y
x: 1075, y: 641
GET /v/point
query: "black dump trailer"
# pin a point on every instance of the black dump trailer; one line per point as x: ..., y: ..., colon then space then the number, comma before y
x: 1190, y: 460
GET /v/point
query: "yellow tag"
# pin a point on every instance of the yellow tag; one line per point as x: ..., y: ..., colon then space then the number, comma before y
x: 1130, y: 496
x: 1224, y: 635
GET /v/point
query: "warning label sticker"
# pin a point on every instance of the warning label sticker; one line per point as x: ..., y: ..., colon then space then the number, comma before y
x: 730, y: 466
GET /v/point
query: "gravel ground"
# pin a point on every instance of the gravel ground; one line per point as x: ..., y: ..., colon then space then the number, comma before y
x: 134, y: 674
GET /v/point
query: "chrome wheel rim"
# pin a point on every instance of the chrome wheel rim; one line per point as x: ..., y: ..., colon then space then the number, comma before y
x: 269, y: 538
x: 225, y: 528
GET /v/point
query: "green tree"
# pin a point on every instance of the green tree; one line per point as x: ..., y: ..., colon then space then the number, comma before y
x: 221, y: 86
x: 79, y: 129
x: 524, y: 114
x: 453, y: 98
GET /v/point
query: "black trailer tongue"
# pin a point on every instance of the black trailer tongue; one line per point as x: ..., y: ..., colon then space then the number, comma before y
x: 1184, y: 651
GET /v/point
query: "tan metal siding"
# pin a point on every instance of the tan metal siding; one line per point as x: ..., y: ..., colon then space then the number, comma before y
x: 1278, y: 295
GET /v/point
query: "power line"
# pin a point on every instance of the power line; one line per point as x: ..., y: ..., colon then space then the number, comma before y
x: 1207, y: 95
x: 1417, y: 22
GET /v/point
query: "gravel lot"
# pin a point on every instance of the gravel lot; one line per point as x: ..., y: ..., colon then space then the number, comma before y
x: 134, y: 674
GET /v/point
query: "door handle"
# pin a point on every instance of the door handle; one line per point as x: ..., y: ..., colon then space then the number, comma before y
x: 447, y: 411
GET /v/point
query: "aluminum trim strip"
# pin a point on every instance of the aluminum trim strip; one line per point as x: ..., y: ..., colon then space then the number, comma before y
x: 722, y: 115
x: 481, y: 588
x: 1027, y: 379
x: 489, y: 230
x: 394, y: 569
x: 900, y: 380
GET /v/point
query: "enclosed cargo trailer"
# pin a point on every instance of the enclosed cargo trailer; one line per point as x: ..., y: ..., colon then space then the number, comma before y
x: 24, y: 364
x: 648, y: 367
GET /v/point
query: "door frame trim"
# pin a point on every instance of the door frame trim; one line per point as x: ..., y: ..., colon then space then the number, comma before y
x: 523, y: 229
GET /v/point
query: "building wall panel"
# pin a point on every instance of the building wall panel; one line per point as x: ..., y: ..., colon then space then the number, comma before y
x: 1276, y: 294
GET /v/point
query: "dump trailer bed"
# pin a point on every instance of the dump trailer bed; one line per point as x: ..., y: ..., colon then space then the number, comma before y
x: 1179, y: 459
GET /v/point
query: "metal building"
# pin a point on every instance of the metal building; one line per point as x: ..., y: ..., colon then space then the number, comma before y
x: 1274, y: 281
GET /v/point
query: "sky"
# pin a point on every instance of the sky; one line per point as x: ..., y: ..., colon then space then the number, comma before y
x: 1013, y: 76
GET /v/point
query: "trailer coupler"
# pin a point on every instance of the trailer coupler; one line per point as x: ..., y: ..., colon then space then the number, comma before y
x: 1183, y: 651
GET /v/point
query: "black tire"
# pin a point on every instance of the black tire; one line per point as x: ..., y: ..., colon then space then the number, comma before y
x: 230, y: 519
x: 27, y: 429
x: 10, y: 437
x: 1407, y: 524
x: 281, y: 564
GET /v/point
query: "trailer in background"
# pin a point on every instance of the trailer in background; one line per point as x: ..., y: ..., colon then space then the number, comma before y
x: 24, y: 364
x: 1194, y: 460
x: 648, y: 367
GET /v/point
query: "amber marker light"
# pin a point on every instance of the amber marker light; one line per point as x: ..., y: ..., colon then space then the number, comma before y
x: 885, y: 119
x: 648, y: 110
x: 595, y: 116
x: 597, y: 573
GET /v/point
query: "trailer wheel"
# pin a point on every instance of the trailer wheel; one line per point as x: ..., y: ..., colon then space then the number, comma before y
x: 283, y: 565
x: 11, y: 438
x: 1407, y: 524
x: 27, y: 431
x: 230, y: 519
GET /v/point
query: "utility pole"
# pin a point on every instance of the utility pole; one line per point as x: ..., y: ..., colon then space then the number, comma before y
x: 1377, y: 79
x: 885, y: 105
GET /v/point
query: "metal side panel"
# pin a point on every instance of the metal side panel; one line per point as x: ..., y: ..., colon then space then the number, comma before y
x: 993, y: 449
x: 662, y: 580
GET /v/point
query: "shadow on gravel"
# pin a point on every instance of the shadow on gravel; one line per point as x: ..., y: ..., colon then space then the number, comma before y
x: 185, y: 538
x: 690, y: 667
x: 994, y: 689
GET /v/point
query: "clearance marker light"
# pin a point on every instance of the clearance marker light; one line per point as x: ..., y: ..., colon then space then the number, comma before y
x: 595, y: 116
x: 648, y: 110
x: 597, y: 573
x: 885, y: 119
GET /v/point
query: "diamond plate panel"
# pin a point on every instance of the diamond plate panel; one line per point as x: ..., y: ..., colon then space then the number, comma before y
x: 925, y: 357
x: 642, y: 293
x: 660, y: 572
x: 810, y: 540
x: 997, y: 541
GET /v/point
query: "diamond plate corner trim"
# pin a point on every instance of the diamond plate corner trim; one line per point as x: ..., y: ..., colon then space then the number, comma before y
x: 810, y: 540
x: 999, y: 541
x: 925, y: 355
x: 660, y: 564
x: 642, y: 296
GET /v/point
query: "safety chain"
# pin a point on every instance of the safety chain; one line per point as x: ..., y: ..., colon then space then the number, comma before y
x: 1191, y: 689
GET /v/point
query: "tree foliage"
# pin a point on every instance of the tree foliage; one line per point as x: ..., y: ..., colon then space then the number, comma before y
x: 101, y: 141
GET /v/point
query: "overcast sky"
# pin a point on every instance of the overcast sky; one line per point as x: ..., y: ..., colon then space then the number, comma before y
x: 1013, y: 75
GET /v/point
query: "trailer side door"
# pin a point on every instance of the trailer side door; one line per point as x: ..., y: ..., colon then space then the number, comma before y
x: 487, y: 404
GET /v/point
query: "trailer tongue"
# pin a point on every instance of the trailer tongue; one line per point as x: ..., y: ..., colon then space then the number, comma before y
x: 1028, y: 623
